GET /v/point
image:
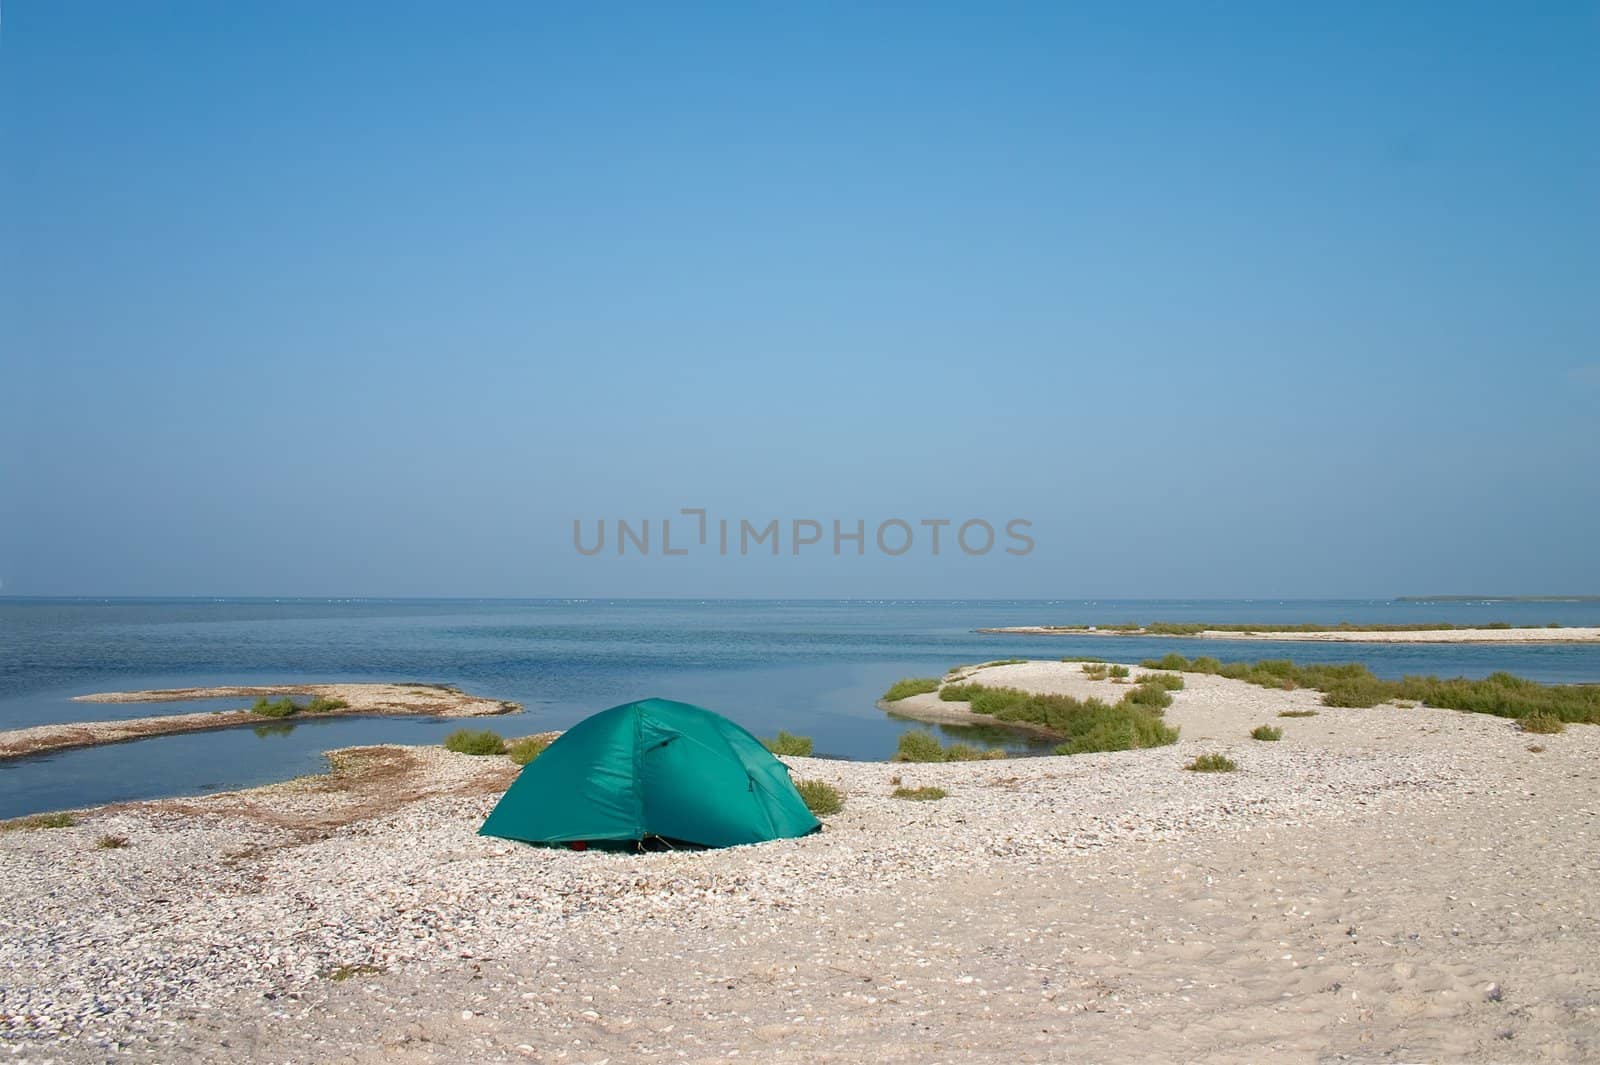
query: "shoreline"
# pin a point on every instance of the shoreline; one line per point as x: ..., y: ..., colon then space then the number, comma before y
x: 1573, y: 635
x: 1295, y: 907
x: 362, y: 700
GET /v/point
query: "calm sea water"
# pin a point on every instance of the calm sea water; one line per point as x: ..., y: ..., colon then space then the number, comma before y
x: 811, y: 666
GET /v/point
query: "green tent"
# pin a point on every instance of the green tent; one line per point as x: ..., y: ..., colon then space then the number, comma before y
x: 654, y: 769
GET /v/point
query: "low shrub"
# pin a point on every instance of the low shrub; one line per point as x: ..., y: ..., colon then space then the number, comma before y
x: 1212, y: 763
x: 1173, y: 682
x: 920, y: 794
x: 1084, y: 725
x: 323, y: 704
x: 821, y: 798
x: 1297, y: 713
x: 787, y: 743
x: 1151, y: 695
x: 1118, y: 672
x: 1542, y: 722
x: 967, y: 752
x: 526, y: 750
x: 904, y: 689
x: 469, y: 741
x: 1266, y: 732
x: 275, y: 707
x: 920, y: 745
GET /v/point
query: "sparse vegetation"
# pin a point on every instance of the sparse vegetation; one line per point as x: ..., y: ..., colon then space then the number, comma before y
x: 1084, y: 725
x: 275, y: 707
x: 920, y: 794
x: 475, y: 741
x: 1536, y: 748
x: 1266, y: 732
x: 345, y: 972
x: 286, y: 707
x: 1195, y: 628
x: 821, y: 798
x: 109, y: 842
x: 1118, y: 672
x: 787, y: 743
x: 1351, y: 684
x: 1212, y: 763
x: 904, y: 689
x: 920, y: 745
x: 526, y: 750
x: 1297, y: 713
x: 1083, y: 658
x: 1172, y: 682
x: 1542, y: 722
x: 28, y: 824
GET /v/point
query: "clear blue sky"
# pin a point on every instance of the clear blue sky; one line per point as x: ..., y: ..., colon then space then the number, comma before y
x: 1243, y: 299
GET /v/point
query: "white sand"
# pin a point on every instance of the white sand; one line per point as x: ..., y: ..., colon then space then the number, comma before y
x: 1383, y: 884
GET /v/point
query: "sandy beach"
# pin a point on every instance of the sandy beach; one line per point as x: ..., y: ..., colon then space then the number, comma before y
x: 1574, y: 634
x: 1382, y: 883
x: 359, y: 699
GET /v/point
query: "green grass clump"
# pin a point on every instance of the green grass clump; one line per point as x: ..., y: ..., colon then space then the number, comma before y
x: 821, y: 798
x: 526, y: 750
x: 1084, y: 725
x: 920, y: 794
x: 109, y: 842
x: 275, y: 707
x: 469, y: 741
x: 920, y: 745
x: 1118, y: 672
x: 26, y: 824
x: 1542, y: 722
x: 1266, y: 732
x: 1297, y: 713
x: 790, y: 744
x: 904, y: 689
x: 1212, y: 763
x: 323, y: 704
x: 345, y: 972
x: 958, y: 693
x: 1154, y: 696
x: 1172, y: 682
x: 967, y: 752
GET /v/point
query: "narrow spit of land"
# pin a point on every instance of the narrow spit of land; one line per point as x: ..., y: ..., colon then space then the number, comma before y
x: 1344, y: 632
x: 326, y: 700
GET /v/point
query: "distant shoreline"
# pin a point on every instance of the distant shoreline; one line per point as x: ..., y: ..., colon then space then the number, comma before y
x: 360, y: 700
x: 1573, y: 634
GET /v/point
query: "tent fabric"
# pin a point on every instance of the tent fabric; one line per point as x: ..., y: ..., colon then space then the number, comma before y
x: 653, y: 768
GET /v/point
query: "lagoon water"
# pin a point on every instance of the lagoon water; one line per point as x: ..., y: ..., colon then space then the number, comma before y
x: 810, y: 666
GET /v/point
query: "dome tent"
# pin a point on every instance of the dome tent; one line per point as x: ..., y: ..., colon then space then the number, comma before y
x: 652, y: 769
